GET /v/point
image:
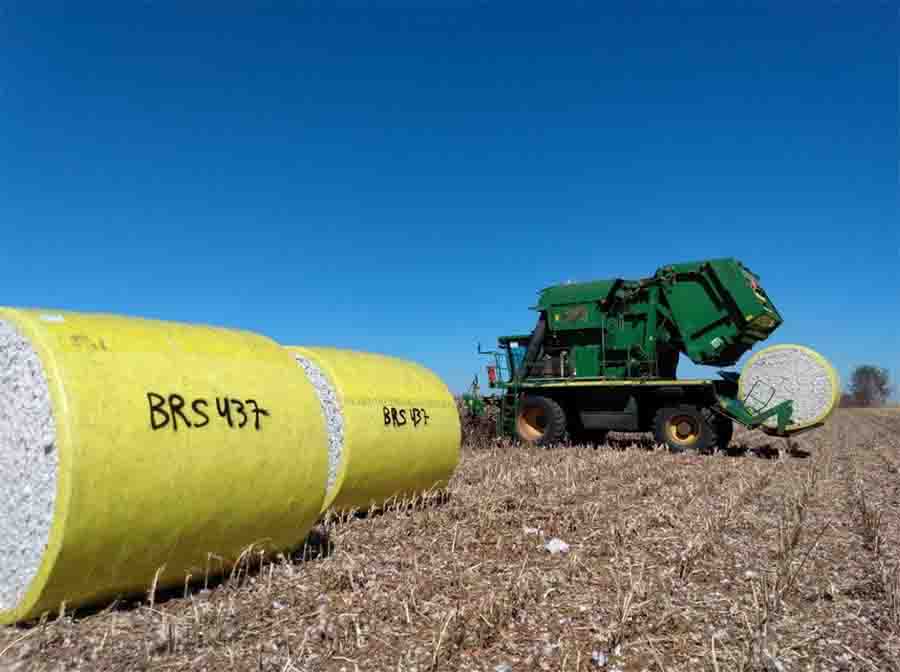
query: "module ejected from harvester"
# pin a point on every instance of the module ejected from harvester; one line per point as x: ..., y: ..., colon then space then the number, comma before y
x: 603, y: 356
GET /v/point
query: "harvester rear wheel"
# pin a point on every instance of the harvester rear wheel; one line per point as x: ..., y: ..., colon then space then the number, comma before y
x: 685, y: 427
x: 541, y: 421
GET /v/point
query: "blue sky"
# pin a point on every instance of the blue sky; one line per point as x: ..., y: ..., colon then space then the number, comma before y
x: 404, y: 180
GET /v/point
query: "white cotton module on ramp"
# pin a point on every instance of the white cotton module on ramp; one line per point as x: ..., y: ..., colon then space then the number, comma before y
x: 138, y: 452
x: 791, y: 372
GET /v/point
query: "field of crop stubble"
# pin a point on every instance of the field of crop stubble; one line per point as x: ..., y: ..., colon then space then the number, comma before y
x: 748, y: 561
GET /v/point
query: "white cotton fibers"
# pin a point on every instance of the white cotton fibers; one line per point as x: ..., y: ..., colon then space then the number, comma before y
x: 334, y: 418
x: 28, y: 464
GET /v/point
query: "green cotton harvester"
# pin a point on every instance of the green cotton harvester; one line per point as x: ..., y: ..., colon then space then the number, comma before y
x: 603, y: 356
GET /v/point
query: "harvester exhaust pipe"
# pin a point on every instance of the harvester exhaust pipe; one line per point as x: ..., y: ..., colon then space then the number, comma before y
x: 534, y: 347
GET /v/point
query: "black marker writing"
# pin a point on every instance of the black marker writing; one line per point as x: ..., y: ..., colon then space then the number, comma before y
x: 195, y: 406
x: 181, y: 413
x: 397, y: 417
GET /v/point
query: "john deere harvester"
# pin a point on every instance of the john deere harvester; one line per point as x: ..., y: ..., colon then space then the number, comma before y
x: 603, y: 356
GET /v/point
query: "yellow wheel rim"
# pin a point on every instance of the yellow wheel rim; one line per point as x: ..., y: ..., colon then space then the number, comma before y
x: 531, y: 423
x: 683, y: 430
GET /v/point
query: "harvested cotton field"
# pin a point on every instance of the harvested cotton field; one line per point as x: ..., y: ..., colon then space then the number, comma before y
x: 748, y: 561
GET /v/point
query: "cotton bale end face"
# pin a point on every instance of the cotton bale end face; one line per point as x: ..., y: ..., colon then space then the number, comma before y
x: 334, y: 419
x: 28, y: 464
x: 791, y: 372
x: 137, y: 452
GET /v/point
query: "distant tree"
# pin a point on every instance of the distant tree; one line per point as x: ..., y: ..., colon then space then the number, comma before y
x: 869, y: 386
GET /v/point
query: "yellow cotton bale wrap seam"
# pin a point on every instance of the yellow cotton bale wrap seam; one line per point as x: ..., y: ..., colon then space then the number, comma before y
x: 178, y: 447
x: 400, y: 425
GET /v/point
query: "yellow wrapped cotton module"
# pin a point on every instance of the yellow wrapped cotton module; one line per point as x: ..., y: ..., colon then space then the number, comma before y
x: 393, y: 425
x: 129, y: 446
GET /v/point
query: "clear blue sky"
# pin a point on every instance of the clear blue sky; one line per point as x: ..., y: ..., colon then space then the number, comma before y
x: 405, y: 180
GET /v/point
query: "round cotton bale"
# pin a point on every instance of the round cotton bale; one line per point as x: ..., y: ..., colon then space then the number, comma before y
x: 393, y: 425
x: 791, y: 372
x: 138, y: 452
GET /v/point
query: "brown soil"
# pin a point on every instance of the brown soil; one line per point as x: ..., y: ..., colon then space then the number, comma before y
x: 751, y: 561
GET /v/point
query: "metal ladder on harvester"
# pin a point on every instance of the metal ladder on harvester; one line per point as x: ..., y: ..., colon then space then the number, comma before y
x: 509, y: 411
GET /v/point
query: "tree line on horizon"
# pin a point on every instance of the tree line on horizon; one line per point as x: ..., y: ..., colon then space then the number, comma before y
x: 869, y: 386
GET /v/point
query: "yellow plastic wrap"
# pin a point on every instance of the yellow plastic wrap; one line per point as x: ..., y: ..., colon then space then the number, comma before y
x: 178, y: 446
x: 401, y: 431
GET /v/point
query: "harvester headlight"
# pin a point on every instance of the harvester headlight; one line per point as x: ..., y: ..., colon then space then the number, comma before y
x: 763, y: 321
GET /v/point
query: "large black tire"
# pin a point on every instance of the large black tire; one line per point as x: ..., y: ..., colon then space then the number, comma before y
x: 541, y: 421
x: 686, y: 427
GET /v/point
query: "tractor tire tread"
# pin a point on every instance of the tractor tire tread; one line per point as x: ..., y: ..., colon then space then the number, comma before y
x: 556, y: 419
x: 709, y: 435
